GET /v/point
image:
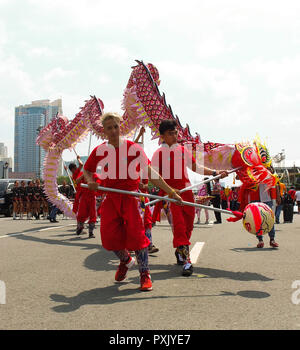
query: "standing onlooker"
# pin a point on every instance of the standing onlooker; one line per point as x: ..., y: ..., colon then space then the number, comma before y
x: 282, y: 190
x: 292, y: 193
x: 29, y: 197
x: 37, y: 198
x: 288, y: 205
x: 267, y: 196
x: 53, y: 213
x: 224, y: 199
x: 16, y: 199
x: 216, y: 201
x: 45, y: 204
x: 204, y: 190
x: 298, y: 200
x: 234, y: 196
x: 64, y: 189
x: 23, y: 207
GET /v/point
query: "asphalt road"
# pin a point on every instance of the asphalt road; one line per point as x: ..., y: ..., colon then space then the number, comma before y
x: 54, y: 280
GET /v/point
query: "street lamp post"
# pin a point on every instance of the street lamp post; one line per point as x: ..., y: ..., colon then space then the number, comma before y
x: 5, y: 170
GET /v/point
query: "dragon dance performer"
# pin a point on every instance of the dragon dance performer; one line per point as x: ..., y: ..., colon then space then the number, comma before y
x: 173, y: 159
x: 86, y: 205
x: 267, y: 196
x: 76, y: 173
x: 123, y: 164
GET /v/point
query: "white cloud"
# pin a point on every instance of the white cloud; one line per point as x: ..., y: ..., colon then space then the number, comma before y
x: 220, y: 83
x: 40, y: 52
x: 3, y: 35
x: 58, y: 73
x: 15, y: 81
x: 211, y: 47
x: 114, y: 52
x: 281, y: 74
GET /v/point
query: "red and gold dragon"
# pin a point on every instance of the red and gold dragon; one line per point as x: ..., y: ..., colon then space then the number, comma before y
x: 144, y: 105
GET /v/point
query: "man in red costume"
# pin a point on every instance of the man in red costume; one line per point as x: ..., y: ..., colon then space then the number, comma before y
x: 123, y: 163
x: 76, y: 173
x: 87, y: 205
x: 171, y: 161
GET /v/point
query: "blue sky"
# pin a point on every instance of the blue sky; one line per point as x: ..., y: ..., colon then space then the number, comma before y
x: 230, y: 70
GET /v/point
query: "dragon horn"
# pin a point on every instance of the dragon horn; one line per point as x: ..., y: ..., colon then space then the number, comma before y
x: 170, y: 108
x: 100, y: 109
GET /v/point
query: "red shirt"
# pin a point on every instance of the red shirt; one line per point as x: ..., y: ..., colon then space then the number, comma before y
x: 120, y: 166
x: 77, y: 173
x: 223, y: 195
x: 292, y: 193
x: 171, y: 163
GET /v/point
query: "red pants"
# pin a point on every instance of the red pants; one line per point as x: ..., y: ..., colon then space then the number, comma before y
x: 76, y: 202
x: 183, y: 220
x: 147, y: 216
x: 122, y: 226
x: 87, y: 207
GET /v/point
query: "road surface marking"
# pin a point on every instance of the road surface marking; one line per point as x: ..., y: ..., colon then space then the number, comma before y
x: 43, y: 229
x: 195, y: 252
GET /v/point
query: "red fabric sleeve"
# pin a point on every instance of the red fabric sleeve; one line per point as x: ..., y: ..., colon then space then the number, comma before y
x: 76, y: 174
x: 92, y: 161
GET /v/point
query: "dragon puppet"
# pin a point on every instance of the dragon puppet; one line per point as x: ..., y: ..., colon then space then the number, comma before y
x: 144, y: 105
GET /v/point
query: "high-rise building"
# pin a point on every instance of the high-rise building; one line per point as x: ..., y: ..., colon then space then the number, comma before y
x: 3, y: 150
x: 29, y: 120
x: 5, y: 162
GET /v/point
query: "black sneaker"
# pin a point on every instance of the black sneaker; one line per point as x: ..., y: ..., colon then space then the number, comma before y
x: 179, y: 258
x: 91, y: 235
x: 187, y: 269
x: 79, y: 231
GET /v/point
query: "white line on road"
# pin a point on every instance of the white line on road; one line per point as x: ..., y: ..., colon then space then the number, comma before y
x: 195, y: 252
x: 43, y: 229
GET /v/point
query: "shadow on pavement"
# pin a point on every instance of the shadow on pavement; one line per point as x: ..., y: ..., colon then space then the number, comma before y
x: 29, y: 230
x: 253, y: 294
x: 175, y: 271
x: 112, y: 294
x: 79, y: 241
x: 253, y: 249
x: 96, y: 262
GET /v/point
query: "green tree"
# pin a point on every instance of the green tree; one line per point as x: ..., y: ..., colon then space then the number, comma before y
x: 60, y: 180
